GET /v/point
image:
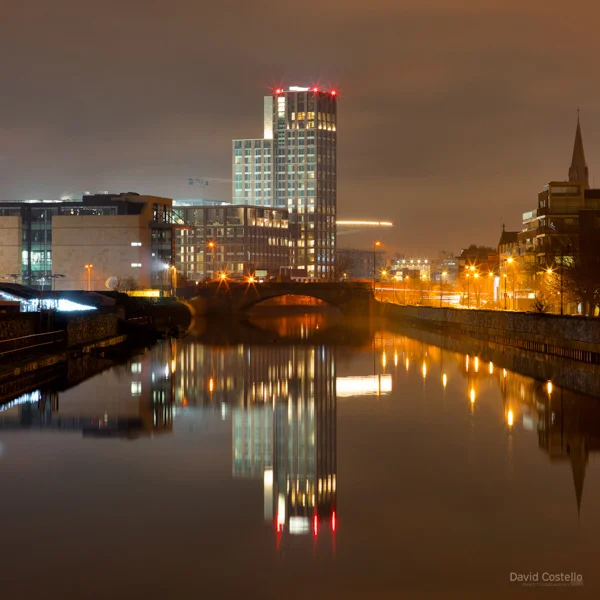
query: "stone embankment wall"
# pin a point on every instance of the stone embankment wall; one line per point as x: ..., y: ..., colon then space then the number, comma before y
x: 88, y: 327
x: 18, y: 325
x: 576, y: 338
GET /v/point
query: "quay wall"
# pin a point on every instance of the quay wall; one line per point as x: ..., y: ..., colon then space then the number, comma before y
x: 575, y: 338
x: 18, y: 325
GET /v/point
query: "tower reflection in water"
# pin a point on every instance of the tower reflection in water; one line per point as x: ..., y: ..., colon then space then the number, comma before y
x: 284, y: 432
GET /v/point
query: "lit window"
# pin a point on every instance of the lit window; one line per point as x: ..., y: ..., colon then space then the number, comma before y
x: 136, y: 243
x: 136, y: 265
x: 136, y: 388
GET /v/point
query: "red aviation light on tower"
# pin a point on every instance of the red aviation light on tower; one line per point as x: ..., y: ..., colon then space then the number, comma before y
x: 315, y: 89
x: 333, y: 92
x: 278, y: 91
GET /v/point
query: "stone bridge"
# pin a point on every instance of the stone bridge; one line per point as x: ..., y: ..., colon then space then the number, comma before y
x: 234, y: 298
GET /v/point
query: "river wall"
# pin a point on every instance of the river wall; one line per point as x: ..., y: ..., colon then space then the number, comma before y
x: 17, y: 325
x: 574, y: 338
x: 568, y: 374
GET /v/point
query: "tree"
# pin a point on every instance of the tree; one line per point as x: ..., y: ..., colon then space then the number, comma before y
x: 127, y: 284
x: 342, y: 266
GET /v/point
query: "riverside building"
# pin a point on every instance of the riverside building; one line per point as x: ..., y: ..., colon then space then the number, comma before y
x: 294, y: 167
x: 90, y: 244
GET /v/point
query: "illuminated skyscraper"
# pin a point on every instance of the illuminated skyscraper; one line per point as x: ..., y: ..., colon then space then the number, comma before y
x: 294, y: 166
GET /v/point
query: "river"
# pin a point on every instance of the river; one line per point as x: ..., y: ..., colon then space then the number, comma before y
x: 300, y: 457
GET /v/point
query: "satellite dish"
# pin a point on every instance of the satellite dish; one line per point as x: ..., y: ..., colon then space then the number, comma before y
x: 112, y: 283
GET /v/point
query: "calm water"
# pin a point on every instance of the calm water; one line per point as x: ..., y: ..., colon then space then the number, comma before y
x: 286, y: 465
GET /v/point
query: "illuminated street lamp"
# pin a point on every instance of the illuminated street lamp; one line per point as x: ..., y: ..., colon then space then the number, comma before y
x: 511, y: 261
x: 173, y: 280
x: 213, y: 247
x: 89, y: 276
x: 376, y: 244
x: 476, y: 276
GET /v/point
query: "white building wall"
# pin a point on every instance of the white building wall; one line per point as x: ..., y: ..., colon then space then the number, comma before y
x: 11, y: 236
x: 106, y: 243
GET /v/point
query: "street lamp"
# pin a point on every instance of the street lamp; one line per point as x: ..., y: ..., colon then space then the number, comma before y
x: 173, y: 280
x: 376, y: 244
x: 444, y: 274
x: 476, y: 276
x: 213, y: 247
x: 510, y: 260
x: 89, y: 276
x: 468, y: 291
x: 54, y: 277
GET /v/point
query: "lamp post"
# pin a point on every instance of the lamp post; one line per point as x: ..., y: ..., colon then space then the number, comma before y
x: 476, y: 276
x: 376, y: 244
x: 510, y: 260
x: 443, y: 274
x: 505, y: 294
x: 213, y: 247
x: 173, y: 280
x: 468, y: 291
x: 89, y: 276
x: 405, y: 278
x: 54, y: 277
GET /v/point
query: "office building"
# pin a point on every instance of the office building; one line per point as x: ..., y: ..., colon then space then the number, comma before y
x: 294, y: 167
x: 227, y: 238
x: 93, y: 243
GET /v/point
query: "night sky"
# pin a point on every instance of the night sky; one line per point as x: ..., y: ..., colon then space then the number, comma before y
x: 452, y: 115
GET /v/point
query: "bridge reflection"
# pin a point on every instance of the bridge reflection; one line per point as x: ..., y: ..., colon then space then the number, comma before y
x: 282, y: 401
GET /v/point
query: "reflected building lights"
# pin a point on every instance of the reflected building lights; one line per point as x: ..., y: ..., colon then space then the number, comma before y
x: 510, y: 418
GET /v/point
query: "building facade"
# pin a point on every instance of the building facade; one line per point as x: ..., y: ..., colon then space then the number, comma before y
x: 294, y: 167
x: 84, y: 244
x: 232, y: 239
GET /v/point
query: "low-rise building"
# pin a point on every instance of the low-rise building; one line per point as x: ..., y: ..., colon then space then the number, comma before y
x: 233, y: 239
x: 94, y: 243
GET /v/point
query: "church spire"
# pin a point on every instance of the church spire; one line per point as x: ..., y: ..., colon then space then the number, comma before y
x: 579, y: 458
x: 578, y: 171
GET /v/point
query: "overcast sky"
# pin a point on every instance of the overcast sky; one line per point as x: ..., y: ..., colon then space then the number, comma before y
x: 452, y: 113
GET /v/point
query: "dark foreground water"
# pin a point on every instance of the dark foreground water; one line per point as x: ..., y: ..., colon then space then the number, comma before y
x: 286, y: 465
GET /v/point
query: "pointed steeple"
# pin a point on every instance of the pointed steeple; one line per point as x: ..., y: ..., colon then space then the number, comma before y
x: 578, y: 171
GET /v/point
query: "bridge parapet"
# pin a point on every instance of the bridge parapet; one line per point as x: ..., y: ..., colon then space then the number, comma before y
x: 234, y: 298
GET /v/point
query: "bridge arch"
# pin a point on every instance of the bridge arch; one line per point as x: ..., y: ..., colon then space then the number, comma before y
x: 353, y: 297
x: 269, y: 300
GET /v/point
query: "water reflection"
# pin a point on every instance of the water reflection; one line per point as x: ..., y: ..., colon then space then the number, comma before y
x: 282, y: 401
x: 132, y: 400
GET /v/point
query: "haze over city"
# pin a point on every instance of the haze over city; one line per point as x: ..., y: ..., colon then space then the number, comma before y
x: 452, y: 115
